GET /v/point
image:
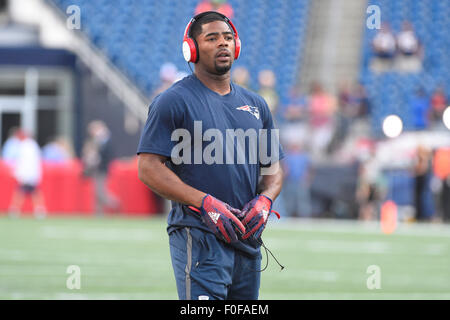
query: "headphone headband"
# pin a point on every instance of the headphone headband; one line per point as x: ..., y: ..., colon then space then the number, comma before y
x: 190, y: 48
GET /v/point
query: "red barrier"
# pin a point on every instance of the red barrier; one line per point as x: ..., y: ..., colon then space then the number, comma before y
x: 135, y: 197
x: 67, y: 191
x: 7, y: 186
x: 64, y: 189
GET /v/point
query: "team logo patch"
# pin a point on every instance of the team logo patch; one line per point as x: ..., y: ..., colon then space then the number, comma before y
x: 253, y: 110
x: 214, y: 216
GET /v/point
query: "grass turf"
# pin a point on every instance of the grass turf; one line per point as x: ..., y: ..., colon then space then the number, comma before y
x: 128, y: 258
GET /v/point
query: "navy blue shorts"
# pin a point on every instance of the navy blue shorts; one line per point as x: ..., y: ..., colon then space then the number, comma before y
x: 27, y: 188
x: 207, y: 268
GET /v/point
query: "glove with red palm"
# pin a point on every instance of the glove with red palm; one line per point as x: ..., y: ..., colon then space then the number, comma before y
x: 255, y: 214
x: 221, y: 218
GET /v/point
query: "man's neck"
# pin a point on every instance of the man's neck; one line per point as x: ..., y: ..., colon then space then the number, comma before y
x: 217, y: 83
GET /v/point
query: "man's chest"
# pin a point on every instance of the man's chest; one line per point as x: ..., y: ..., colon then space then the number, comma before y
x: 223, y: 116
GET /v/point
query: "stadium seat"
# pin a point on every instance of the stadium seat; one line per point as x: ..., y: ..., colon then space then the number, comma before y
x: 145, y: 34
x: 391, y: 92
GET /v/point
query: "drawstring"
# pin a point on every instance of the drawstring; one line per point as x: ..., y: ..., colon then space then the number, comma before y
x: 267, y: 260
x: 260, y: 241
x: 267, y: 257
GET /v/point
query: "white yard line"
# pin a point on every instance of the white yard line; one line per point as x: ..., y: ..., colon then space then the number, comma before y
x: 336, y: 246
x: 377, y: 294
x: 358, y: 227
x: 96, y: 234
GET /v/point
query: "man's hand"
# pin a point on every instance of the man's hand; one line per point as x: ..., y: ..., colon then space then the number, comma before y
x: 221, y: 218
x: 255, y: 214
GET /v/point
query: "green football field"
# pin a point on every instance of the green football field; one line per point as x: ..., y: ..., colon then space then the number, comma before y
x: 128, y: 258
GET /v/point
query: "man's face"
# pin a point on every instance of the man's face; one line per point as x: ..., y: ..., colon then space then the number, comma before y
x: 216, y: 47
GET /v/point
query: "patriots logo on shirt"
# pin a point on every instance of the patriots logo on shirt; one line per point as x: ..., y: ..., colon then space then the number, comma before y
x: 253, y: 110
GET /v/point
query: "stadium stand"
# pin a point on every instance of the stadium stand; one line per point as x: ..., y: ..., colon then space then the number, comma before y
x: 391, y: 91
x: 139, y: 41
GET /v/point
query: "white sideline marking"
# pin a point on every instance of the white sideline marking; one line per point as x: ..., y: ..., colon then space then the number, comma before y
x: 358, y: 227
x: 357, y: 296
x: 97, y: 234
x: 348, y: 246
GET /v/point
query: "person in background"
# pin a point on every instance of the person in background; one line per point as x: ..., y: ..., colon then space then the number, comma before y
x: 420, y: 109
x: 11, y: 147
x: 293, y: 117
x: 297, y: 181
x: 220, y: 6
x: 410, y: 51
x: 445, y: 199
x: 241, y: 77
x: 441, y: 171
x: 180, y: 76
x: 438, y: 103
x: 97, y: 154
x: 267, y: 81
x: 57, y: 150
x: 322, y: 108
x: 366, y: 191
x: 347, y: 111
x: 27, y: 171
x: 295, y: 108
x: 384, y: 49
x: 423, y: 200
x: 360, y: 100
x: 168, y: 74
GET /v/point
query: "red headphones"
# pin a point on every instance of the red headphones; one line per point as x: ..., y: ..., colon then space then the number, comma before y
x: 190, y: 48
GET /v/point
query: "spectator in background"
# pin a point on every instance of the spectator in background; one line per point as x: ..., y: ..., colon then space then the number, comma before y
x: 57, y: 150
x: 267, y: 81
x: 297, y: 181
x: 438, y: 104
x: 420, y: 109
x: 347, y: 111
x: 322, y: 107
x: 27, y: 171
x: 360, y: 100
x: 441, y: 170
x: 366, y: 191
x: 220, y: 6
x: 445, y: 199
x: 240, y: 76
x: 410, y: 50
x: 295, y: 109
x: 97, y: 154
x: 180, y: 75
x: 384, y: 48
x: 168, y: 75
x: 11, y: 147
x: 353, y: 106
x: 293, y: 117
x: 423, y: 199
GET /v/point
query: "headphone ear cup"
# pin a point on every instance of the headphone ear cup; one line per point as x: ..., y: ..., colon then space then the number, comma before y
x: 237, y: 48
x: 190, y: 52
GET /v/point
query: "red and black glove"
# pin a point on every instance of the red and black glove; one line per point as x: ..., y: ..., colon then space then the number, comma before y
x: 255, y: 214
x: 221, y: 218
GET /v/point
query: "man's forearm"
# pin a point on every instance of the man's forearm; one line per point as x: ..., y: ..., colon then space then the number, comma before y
x: 167, y: 184
x: 271, y: 185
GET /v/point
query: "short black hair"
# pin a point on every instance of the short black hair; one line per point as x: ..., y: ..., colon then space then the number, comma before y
x: 208, y: 17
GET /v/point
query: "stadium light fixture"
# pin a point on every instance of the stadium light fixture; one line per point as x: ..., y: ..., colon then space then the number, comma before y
x: 446, y: 117
x: 392, y: 126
